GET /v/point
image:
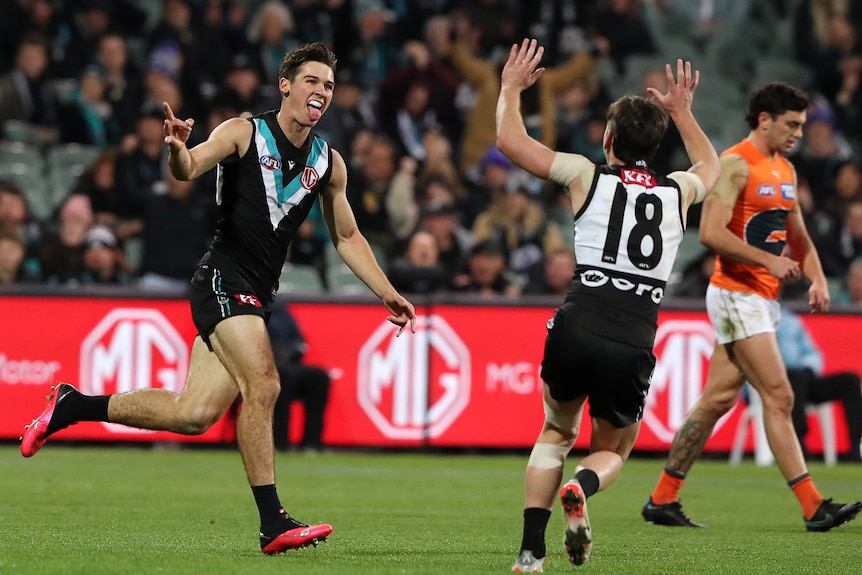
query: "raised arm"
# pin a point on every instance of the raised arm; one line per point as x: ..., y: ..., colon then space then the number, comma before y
x: 229, y: 139
x: 354, y: 249
x: 520, y: 72
x: 677, y: 102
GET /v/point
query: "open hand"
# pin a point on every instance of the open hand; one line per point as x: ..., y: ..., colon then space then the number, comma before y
x: 520, y: 71
x: 680, y: 89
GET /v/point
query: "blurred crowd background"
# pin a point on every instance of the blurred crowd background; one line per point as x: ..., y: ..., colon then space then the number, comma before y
x: 86, y: 196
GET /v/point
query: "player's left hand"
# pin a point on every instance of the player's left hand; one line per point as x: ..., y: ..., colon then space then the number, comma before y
x: 818, y: 298
x: 520, y: 71
x: 403, y: 313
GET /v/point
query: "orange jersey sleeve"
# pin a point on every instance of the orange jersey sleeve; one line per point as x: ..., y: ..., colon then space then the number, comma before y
x: 759, y: 219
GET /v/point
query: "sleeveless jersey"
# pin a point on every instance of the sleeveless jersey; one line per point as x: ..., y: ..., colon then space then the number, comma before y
x: 263, y: 198
x: 759, y: 219
x: 626, y: 237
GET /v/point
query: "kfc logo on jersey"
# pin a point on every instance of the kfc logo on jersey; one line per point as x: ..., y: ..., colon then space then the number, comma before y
x: 270, y: 162
x: 766, y: 190
x: 406, y: 394
x: 682, y: 349
x: 309, y: 178
x: 637, y: 177
x: 246, y: 299
x: 132, y: 349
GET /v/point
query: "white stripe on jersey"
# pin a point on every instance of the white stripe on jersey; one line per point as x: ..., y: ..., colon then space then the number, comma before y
x: 276, y: 213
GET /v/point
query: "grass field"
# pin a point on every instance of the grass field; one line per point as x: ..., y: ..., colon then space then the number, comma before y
x: 74, y: 510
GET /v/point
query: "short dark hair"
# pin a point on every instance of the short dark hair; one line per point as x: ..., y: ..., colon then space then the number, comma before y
x: 638, y: 125
x: 311, y: 52
x: 775, y: 99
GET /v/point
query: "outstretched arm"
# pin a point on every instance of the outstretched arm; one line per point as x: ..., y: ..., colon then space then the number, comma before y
x: 354, y: 249
x: 520, y: 72
x: 677, y: 102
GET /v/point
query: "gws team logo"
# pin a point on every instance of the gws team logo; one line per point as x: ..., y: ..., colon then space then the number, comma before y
x: 309, y: 178
x: 414, y: 387
x: 682, y: 349
x: 133, y: 349
x: 270, y: 162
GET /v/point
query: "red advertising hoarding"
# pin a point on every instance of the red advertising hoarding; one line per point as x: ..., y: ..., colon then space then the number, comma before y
x: 468, y: 377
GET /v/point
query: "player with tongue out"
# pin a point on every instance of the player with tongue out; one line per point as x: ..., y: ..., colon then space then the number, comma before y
x: 272, y: 168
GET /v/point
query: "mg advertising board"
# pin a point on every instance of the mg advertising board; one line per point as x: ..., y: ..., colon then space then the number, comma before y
x: 414, y: 386
x: 468, y: 377
x: 132, y: 349
x: 100, y: 345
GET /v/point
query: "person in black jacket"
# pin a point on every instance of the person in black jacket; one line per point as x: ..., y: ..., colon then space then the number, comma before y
x: 308, y: 384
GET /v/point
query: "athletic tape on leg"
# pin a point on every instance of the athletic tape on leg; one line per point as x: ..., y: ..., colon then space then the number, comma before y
x: 548, y: 456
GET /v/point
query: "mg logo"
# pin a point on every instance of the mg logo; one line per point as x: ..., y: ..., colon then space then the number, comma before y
x: 414, y: 387
x: 133, y: 349
x: 682, y: 349
x: 309, y: 177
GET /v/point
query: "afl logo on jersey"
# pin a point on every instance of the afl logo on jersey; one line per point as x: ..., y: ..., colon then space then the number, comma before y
x: 309, y: 178
x: 766, y: 190
x: 270, y: 162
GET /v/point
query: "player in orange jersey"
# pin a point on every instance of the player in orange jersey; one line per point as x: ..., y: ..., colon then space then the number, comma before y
x: 749, y: 219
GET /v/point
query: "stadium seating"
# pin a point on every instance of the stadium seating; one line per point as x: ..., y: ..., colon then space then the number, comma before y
x: 339, y: 279
x: 24, y: 165
x: 296, y: 278
x: 17, y: 131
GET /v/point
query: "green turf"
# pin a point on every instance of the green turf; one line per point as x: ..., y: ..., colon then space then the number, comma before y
x: 142, y: 511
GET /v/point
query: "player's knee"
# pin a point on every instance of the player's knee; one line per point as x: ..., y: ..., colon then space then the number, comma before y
x: 779, y: 401
x: 196, y: 421
x: 549, y: 456
x: 263, y: 392
x: 718, y: 404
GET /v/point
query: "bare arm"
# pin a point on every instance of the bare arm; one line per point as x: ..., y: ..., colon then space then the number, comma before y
x: 354, y: 249
x: 228, y: 139
x: 802, y: 248
x: 717, y: 213
x: 519, y: 73
x: 677, y: 102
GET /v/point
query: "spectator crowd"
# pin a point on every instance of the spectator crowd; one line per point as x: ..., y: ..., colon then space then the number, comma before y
x: 86, y: 196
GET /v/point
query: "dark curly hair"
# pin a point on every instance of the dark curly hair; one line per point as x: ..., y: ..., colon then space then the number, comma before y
x: 775, y: 99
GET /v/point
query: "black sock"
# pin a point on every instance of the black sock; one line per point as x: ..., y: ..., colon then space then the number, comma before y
x: 90, y: 407
x: 535, y: 522
x: 589, y: 481
x: 267, y: 501
x: 74, y: 406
